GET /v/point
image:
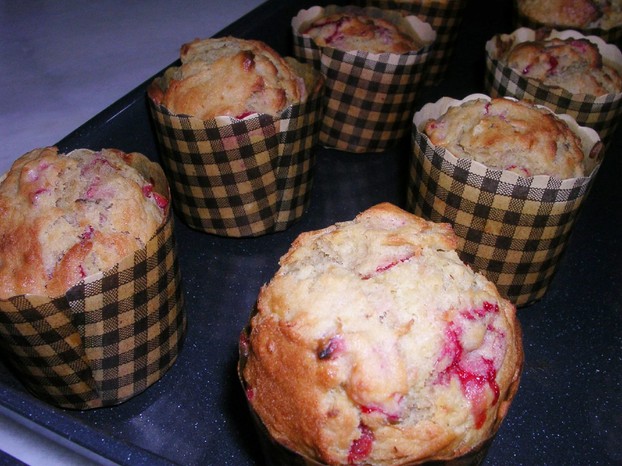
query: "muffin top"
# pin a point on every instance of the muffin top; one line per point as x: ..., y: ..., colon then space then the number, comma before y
x: 572, y: 64
x: 510, y: 135
x: 581, y: 14
x: 374, y: 343
x: 229, y: 77
x: 354, y: 31
x: 65, y: 217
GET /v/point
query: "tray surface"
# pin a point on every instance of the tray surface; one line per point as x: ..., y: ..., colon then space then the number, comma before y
x: 569, y: 407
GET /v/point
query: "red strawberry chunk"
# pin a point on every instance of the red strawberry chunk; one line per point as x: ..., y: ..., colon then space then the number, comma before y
x: 478, y: 313
x: 362, y: 446
x: 243, y: 115
x: 250, y: 393
x: 160, y: 200
x: 244, y: 344
x: 88, y: 233
x: 331, y: 348
x: 475, y: 372
x: 34, y: 197
x: 392, y: 418
x: 385, y: 267
x: 553, y: 62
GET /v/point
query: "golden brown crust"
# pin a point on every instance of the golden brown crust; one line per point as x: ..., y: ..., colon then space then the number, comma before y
x: 229, y: 77
x: 510, y: 135
x: 578, y: 14
x: 359, y: 32
x: 572, y: 64
x: 569, y: 13
x: 356, y: 342
x: 66, y: 217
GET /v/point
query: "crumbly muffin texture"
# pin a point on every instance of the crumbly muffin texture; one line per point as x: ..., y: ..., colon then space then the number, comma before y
x: 375, y: 344
x: 352, y: 31
x: 65, y: 217
x: 572, y: 64
x: 581, y: 14
x: 229, y: 77
x: 510, y: 135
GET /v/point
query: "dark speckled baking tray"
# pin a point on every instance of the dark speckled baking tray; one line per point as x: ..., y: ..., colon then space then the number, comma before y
x: 568, y: 410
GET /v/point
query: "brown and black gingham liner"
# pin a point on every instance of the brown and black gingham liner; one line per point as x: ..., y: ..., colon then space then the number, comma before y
x: 611, y: 36
x: 444, y: 17
x: 512, y: 229
x: 368, y: 97
x: 108, y: 338
x: 240, y: 177
x: 601, y: 113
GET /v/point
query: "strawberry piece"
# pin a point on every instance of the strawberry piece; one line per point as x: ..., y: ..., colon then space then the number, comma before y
x: 88, y: 234
x: 362, y: 446
x: 244, y: 344
x: 331, y: 348
x: 478, y: 313
x: 243, y: 115
x: 34, y: 197
x: 160, y: 200
x: 385, y: 267
x: 475, y: 373
x: 250, y: 393
x: 392, y: 418
x: 553, y: 62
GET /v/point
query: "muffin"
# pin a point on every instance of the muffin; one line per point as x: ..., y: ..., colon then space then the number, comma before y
x: 66, y: 217
x: 578, y: 14
x: 88, y: 275
x: 369, y: 92
x: 510, y: 177
x: 602, y: 18
x: 445, y: 18
x: 565, y: 71
x: 573, y: 64
x: 350, y: 30
x: 236, y: 124
x: 203, y: 86
x: 511, y: 135
x: 374, y: 344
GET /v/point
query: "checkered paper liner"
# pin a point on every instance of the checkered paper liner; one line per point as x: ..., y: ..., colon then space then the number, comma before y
x: 611, y: 36
x: 444, y: 17
x: 108, y: 338
x: 241, y: 178
x: 277, y: 454
x: 368, y: 97
x: 510, y: 228
x: 601, y: 113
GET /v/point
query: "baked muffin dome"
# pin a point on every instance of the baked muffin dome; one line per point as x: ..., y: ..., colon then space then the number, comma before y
x: 229, y: 77
x: 581, y: 14
x: 572, y: 64
x: 374, y: 344
x: 66, y: 217
x: 511, y: 135
x: 356, y: 31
